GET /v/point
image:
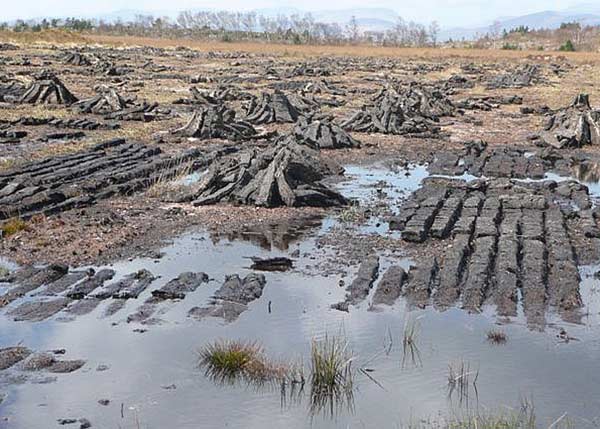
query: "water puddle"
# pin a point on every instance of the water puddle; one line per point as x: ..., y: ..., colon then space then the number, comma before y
x: 151, y: 376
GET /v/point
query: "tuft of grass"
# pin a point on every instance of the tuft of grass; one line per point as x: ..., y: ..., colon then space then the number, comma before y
x: 232, y: 361
x: 496, y: 336
x: 169, y: 180
x: 13, y: 226
x: 331, y: 375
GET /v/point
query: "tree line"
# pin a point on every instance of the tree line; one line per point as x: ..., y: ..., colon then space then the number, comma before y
x: 243, y: 26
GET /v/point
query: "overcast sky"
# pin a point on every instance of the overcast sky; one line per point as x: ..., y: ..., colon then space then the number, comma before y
x: 448, y: 12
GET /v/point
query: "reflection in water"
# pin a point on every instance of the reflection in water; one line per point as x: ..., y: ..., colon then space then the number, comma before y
x: 587, y: 171
x: 271, y: 235
x: 461, y: 382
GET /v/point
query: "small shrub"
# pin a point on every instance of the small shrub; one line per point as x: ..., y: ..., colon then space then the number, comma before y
x: 567, y: 47
x: 12, y: 226
x: 510, y: 47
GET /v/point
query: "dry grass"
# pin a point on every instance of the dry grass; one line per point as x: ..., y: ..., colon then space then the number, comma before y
x: 47, y: 36
x: 13, y: 226
x: 328, y: 50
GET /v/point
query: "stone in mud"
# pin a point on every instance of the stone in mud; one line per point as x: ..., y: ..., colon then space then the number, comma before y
x: 178, y: 287
x: 272, y: 264
x: 574, y: 126
x: 216, y: 122
x: 81, y: 290
x: 323, y: 134
x: 35, y: 311
x: 284, y: 174
x: 367, y: 273
x: 47, y: 89
x: 10, y: 356
x: 389, y: 287
x: 107, y: 100
x: 275, y: 107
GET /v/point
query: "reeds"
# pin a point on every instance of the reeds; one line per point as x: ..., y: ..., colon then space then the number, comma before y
x: 410, y: 350
x: 460, y: 380
x: 331, y: 375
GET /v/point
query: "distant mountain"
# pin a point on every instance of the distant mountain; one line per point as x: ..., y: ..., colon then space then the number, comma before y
x: 546, y: 19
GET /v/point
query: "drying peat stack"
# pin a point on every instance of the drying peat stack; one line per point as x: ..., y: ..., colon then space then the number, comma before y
x: 417, y: 100
x: 522, y: 77
x: 285, y: 174
x: 106, y: 101
x: 388, y: 117
x: 76, y: 59
x: 323, y: 134
x: 275, y: 107
x: 215, y: 122
x: 11, y: 92
x: 47, y: 89
x: 575, y: 126
x: 215, y: 97
x: 321, y: 87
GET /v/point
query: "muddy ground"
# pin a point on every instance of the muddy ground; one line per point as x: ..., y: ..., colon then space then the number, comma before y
x: 450, y: 182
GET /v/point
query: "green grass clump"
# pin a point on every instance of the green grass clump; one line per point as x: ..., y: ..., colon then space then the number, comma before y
x: 331, y: 375
x: 12, y: 226
x: 232, y: 361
